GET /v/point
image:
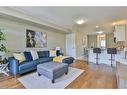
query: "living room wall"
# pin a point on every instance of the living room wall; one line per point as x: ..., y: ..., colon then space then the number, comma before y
x: 16, y: 36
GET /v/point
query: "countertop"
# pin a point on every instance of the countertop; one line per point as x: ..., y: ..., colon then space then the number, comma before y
x: 122, y: 60
x: 104, y: 57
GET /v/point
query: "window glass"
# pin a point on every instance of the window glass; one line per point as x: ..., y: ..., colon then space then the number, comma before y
x: 101, y: 41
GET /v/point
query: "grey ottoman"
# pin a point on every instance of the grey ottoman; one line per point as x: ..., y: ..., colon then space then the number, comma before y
x: 52, y: 70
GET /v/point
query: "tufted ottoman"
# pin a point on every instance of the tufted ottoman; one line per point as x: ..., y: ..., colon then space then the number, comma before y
x: 52, y: 70
x: 68, y: 60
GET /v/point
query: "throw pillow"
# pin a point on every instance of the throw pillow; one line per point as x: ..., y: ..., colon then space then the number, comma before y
x: 19, y: 56
x: 43, y: 54
x: 28, y: 56
x: 34, y: 54
x: 52, y: 53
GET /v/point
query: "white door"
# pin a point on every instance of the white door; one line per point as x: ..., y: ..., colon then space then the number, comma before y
x: 70, y: 45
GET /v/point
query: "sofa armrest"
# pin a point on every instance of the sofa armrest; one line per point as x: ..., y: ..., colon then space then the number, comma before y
x: 68, y: 60
x: 13, y: 66
x: 61, y: 54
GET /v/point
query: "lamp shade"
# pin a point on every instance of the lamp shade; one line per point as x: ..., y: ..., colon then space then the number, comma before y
x: 57, y: 48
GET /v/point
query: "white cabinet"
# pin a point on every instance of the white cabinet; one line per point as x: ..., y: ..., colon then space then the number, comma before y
x: 120, y: 32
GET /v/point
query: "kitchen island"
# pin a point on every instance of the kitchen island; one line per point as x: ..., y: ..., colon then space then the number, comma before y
x: 104, y: 57
x: 122, y: 60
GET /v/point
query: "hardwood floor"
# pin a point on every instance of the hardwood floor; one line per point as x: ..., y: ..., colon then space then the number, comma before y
x: 94, y: 77
x: 9, y: 82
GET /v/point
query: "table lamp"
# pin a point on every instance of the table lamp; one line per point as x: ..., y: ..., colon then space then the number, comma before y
x: 57, y: 48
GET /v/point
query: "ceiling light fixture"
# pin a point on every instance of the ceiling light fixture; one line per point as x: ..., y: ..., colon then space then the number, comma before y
x: 81, y: 21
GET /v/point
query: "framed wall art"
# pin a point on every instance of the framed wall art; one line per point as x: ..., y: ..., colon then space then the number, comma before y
x: 35, y: 39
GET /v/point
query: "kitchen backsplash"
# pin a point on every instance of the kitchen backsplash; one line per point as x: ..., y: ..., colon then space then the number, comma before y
x: 120, y: 45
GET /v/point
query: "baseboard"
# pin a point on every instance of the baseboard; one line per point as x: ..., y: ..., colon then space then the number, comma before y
x: 80, y: 57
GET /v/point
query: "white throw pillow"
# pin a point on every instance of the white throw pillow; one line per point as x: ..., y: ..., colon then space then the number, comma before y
x: 52, y: 53
x: 34, y: 54
x: 19, y: 56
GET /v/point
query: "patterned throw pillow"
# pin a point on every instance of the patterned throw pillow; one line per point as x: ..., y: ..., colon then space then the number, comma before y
x: 52, y: 53
x: 19, y: 56
x: 34, y: 54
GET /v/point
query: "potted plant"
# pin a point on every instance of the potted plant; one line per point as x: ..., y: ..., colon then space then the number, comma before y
x: 3, y: 49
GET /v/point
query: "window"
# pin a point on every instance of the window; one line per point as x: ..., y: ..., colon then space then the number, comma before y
x: 101, y: 41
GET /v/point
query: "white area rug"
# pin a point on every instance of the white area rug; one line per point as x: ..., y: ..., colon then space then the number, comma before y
x: 33, y: 81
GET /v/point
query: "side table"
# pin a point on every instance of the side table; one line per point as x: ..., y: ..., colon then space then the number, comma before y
x: 3, y: 69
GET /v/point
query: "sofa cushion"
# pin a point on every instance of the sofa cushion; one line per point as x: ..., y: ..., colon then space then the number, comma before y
x: 43, y: 60
x: 28, y: 56
x: 43, y: 54
x: 27, y: 65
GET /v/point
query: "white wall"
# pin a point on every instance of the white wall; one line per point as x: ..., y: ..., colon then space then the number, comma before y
x: 16, y: 36
x: 79, y: 44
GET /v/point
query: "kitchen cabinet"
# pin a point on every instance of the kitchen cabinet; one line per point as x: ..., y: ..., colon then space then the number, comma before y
x: 119, y: 33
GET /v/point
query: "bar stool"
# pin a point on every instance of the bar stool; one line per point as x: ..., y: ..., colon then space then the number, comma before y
x: 86, y: 55
x: 112, y: 51
x: 97, y: 51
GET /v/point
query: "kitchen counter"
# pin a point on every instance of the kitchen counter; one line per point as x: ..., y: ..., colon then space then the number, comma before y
x: 104, y: 57
x: 122, y: 60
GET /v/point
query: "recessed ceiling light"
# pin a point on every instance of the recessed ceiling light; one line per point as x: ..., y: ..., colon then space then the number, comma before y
x: 100, y: 32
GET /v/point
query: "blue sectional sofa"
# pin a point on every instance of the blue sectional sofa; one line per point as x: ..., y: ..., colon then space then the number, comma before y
x: 16, y: 68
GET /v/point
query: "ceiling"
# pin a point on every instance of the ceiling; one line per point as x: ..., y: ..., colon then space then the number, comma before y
x: 65, y: 16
